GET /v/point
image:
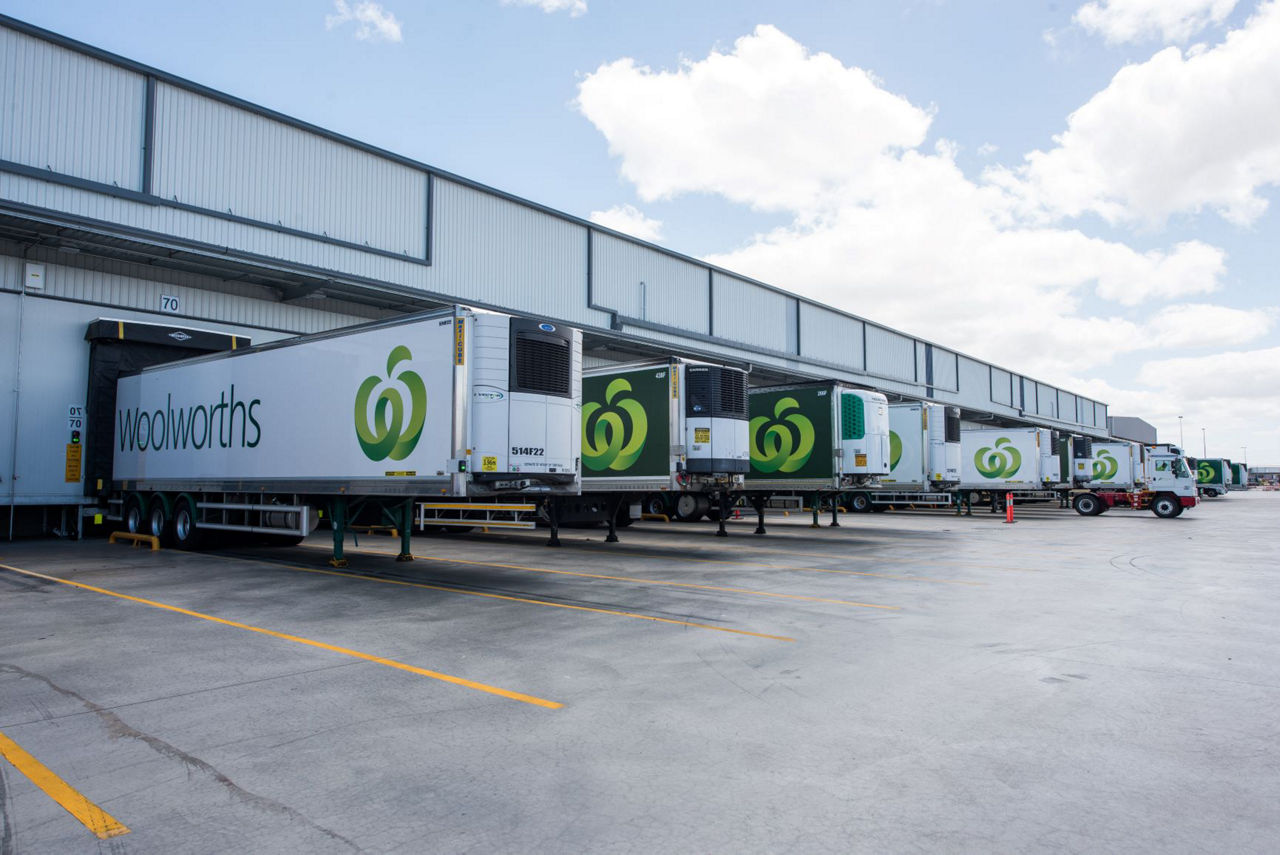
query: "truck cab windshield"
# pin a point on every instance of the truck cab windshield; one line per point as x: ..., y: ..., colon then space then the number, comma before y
x: 1180, y: 469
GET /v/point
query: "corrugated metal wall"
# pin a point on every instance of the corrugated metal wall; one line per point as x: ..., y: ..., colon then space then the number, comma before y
x: 1002, y: 387
x: 69, y: 113
x: 637, y: 282
x: 749, y: 314
x: 890, y: 354
x: 215, y: 156
x: 830, y: 337
x: 946, y: 370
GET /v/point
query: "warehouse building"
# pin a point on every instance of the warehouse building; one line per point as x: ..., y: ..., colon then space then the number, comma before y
x: 139, y: 207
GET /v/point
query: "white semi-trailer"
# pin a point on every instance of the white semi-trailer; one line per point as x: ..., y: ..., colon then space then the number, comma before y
x: 924, y: 459
x: 1128, y: 474
x: 446, y: 407
x: 668, y: 434
x: 1024, y: 461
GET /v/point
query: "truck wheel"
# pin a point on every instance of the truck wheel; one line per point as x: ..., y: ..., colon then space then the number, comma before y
x: 157, y: 525
x: 654, y: 503
x: 186, y: 534
x: 1166, y: 506
x: 1088, y: 505
x: 133, y: 515
x: 860, y: 503
x: 691, y: 507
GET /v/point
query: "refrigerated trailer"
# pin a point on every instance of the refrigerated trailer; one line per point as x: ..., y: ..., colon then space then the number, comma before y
x: 1239, y: 476
x: 817, y: 439
x: 1025, y: 461
x: 924, y: 459
x: 670, y: 435
x: 469, y: 414
x: 1213, y: 475
x: 1129, y: 474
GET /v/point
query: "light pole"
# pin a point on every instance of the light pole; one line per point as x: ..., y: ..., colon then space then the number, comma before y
x: 1182, y: 443
x: 1204, y: 443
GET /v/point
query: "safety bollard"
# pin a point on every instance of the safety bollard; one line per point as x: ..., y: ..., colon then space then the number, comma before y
x: 1008, y: 507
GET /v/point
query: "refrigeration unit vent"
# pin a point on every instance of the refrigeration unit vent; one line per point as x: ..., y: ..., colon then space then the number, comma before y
x: 853, y: 417
x: 543, y: 364
x: 715, y: 392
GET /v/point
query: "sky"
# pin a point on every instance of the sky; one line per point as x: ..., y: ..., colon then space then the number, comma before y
x: 1081, y: 190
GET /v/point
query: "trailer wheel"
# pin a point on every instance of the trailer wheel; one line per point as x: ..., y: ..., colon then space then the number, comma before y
x: 157, y: 524
x: 691, y: 507
x: 654, y: 503
x: 1166, y: 506
x: 133, y: 515
x: 1088, y: 505
x: 186, y: 535
x: 860, y: 503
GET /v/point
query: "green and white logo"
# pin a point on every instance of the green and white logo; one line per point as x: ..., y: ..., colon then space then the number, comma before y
x: 895, y: 450
x: 784, y: 442
x: 1002, y: 461
x: 613, y: 433
x: 1206, y: 472
x: 389, y: 436
x: 1105, y: 466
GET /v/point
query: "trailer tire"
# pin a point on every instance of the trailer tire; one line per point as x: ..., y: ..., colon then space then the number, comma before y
x: 186, y: 533
x: 133, y: 517
x: 1088, y: 505
x: 1166, y: 506
x: 860, y: 503
x: 655, y: 504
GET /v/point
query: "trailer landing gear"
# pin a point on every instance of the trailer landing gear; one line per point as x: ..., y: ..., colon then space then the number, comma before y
x: 553, y: 520
x: 757, y: 502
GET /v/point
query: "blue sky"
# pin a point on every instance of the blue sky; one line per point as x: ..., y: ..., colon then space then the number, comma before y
x: 1083, y: 189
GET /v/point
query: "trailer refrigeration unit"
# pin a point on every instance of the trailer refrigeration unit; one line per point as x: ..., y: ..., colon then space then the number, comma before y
x: 924, y: 459
x: 1213, y: 475
x: 1128, y: 474
x: 1025, y: 461
x: 670, y: 435
x: 1239, y: 476
x: 817, y: 439
x: 448, y: 407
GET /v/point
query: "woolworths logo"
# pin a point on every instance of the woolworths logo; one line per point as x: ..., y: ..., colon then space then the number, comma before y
x: 895, y: 449
x: 389, y: 435
x: 1205, y: 472
x: 613, y: 433
x: 784, y: 442
x: 1105, y: 466
x: 1002, y: 461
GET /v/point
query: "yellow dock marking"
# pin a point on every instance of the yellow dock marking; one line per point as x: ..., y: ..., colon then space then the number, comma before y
x: 94, y: 818
x: 346, y: 651
x: 508, y: 597
x: 634, y: 579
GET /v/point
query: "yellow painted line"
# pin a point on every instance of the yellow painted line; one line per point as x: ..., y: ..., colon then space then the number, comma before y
x: 507, y: 597
x: 390, y: 663
x: 638, y: 581
x: 94, y: 818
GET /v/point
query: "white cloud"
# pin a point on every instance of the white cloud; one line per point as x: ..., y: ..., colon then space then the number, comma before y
x: 1176, y: 134
x: 575, y: 8
x: 1203, y: 325
x: 1120, y: 21
x: 629, y: 220
x: 1248, y: 376
x: 373, y: 23
x: 768, y: 124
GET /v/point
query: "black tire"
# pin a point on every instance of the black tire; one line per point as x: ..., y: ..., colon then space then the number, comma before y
x: 186, y: 532
x: 691, y: 507
x: 860, y: 503
x: 1088, y: 505
x: 1166, y: 506
x: 654, y: 503
x: 134, y: 516
x: 157, y: 524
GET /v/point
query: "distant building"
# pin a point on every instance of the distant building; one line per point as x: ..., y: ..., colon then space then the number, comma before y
x: 1132, y: 428
x: 1264, y: 475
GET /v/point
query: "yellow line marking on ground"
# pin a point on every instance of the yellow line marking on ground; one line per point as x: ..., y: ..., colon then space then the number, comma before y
x: 636, y: 580
x: 94, y: 818
x: 368, y: 657
x: 507, y: 597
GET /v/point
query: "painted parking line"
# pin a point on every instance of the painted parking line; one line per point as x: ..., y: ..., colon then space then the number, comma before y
x: 92, y: 817
x: 631, y: 579
x: 298, y: 568
x: 297, y: 639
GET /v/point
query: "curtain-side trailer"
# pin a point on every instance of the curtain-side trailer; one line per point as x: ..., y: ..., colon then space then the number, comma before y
x: 670, y: 434
x: 446, y: 407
